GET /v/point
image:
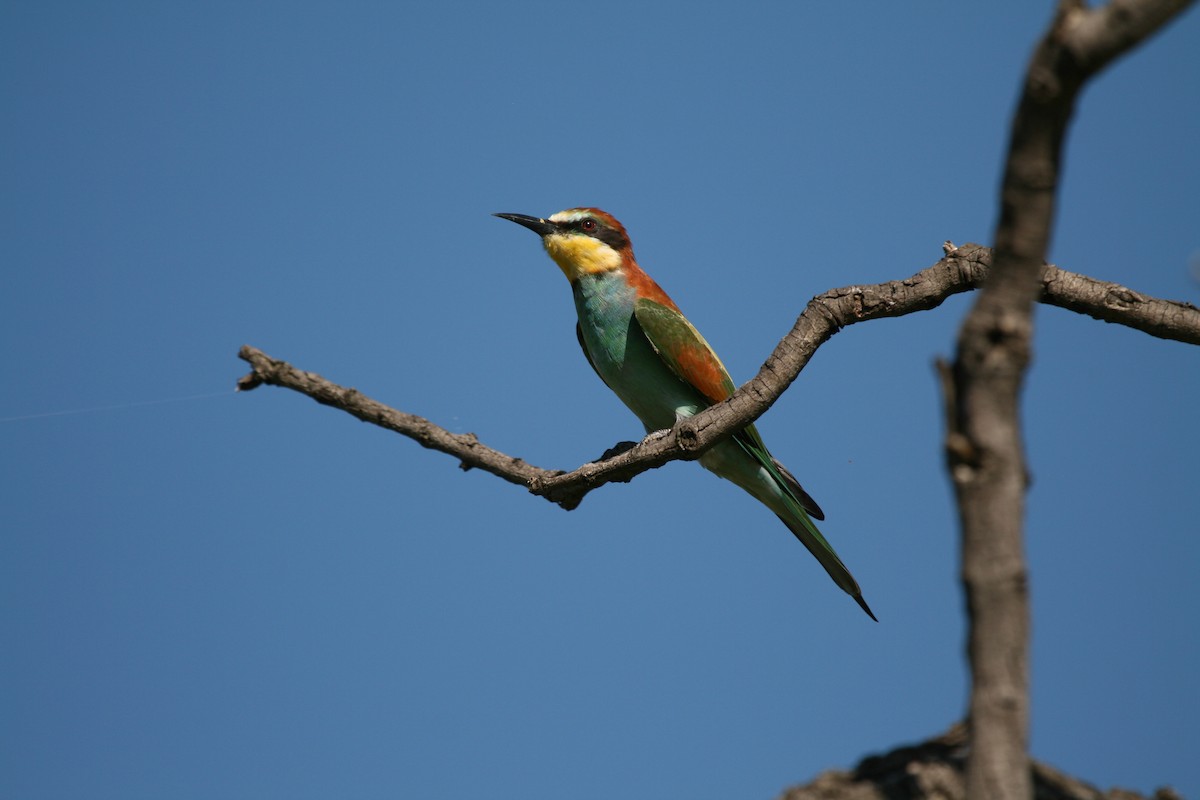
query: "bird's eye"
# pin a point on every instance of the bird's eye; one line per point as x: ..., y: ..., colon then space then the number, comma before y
x: 588, y: 225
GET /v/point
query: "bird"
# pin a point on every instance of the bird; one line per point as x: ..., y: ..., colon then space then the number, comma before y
x: 648, y: 353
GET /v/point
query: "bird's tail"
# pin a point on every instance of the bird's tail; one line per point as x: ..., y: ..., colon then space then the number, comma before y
x: 799, y: 524
x: 794, y: 515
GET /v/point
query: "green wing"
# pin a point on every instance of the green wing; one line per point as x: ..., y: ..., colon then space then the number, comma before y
x: 684, y: 350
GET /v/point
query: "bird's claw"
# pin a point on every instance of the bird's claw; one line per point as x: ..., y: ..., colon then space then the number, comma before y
x: 616, y: 450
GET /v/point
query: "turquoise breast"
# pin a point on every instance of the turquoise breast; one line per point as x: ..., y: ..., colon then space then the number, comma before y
x: 622, y: 354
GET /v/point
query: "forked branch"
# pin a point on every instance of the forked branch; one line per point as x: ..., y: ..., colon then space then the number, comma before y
x: 984, y: 449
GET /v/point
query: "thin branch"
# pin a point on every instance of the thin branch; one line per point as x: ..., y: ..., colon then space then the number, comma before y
x: 983, y: 446
x: 1112, y: 302
x: 465, y: 447
x: 963, y: 269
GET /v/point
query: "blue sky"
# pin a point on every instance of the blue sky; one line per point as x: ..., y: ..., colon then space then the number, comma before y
x: 256, y: 596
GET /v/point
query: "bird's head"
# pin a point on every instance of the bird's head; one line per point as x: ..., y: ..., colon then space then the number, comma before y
x: 582, y: 241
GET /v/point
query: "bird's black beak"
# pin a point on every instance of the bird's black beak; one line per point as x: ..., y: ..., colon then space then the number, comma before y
x: 536, y: 224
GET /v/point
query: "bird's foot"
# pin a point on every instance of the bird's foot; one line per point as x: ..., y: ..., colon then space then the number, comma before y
x: 617, y: 449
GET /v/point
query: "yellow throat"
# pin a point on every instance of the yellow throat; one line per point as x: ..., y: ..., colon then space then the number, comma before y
x: 580, y: 255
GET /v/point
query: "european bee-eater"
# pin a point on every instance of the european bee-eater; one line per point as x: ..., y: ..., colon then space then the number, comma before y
x: 647, y: 352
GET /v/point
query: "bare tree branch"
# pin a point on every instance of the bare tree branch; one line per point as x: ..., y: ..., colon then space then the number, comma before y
x: 1111, y: 302
x: 983, y: 444
x: 464, y: 446
x: 963, y: 269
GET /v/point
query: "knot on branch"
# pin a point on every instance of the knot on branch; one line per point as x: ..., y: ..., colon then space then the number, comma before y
x: 864, y: 304
x: 977, y: 255
x: 961, y: 457
x: 1042, y: 85
x: 550, y: 485
x: 468, y: 441
x: 248, y: 382
x: 1119, y: 297
x: 687, y: 436
x: 261, y: 366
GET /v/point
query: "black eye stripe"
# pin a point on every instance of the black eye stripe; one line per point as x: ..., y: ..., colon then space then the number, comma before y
x: 596, y: 229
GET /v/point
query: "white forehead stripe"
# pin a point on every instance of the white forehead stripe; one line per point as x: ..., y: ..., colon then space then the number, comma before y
x: 570, y: 215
